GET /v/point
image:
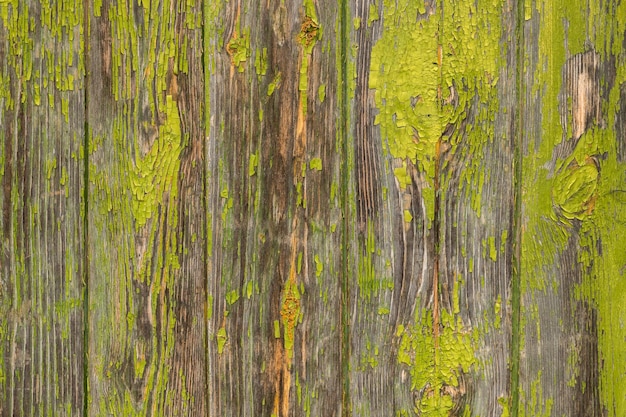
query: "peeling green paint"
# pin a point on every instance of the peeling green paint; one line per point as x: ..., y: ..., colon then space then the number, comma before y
x: 289, y: 313
x: 260, y: 62
x: 310, y: 33
x: 252, y: 164
x: 221, y: 339
x: 156, y: 173
x: 369, y: 282
x: 573, y: 197
x: 402, y: 176
x: 319, y: 266
x: 424, y: 93
x: 435, y: 364
x: 321, y: 93
x: 575, y: 189
x: 239, y: 48
x: 274, y: 84
x: 493, y: 253
x: 276, y: 329
x: 316, y: 164
x: 232, y: 296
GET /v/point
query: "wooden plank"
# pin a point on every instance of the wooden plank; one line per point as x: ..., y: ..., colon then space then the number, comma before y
x: 41, y: 227
x: 147, y: 273
x: 274, y: 204
x: 433, y: 149
x: 572, y: 216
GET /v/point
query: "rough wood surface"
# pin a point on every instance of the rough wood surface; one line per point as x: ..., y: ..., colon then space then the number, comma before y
x: 41, y: 227
x: 316, y: 208
x: 274, y: 208
x: 434, y: 99
x: 147, y: 242
x: 572, y: 181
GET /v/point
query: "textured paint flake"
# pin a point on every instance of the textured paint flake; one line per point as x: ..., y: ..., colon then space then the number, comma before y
x: 423, y: 93
x: 577, y: 195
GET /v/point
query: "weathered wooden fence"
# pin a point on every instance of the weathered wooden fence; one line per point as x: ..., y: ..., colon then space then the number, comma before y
x: 317, y: 208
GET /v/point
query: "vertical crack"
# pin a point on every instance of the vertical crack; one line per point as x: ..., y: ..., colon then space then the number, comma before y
x: 205, y: 193
x: 345, y: 175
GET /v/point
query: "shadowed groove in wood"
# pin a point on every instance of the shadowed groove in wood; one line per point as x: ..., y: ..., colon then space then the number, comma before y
x: 516, y: 215
x: 345, y: 170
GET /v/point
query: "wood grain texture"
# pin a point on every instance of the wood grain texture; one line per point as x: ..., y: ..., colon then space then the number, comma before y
x: 433, y: 118
x: 572, y: 174
x: 316, y: 208
x: 41, y: 229
x: 273, y: 187
x: 147, y: 297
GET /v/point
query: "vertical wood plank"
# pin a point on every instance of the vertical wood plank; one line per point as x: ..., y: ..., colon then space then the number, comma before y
x: 434, y: 99
x: 41, y: 227
x: 147, y: 296
x: 573, y: 177
x: 274, y: 205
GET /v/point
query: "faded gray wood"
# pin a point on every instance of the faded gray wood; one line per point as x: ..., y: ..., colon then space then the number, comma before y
x: 41, y: 199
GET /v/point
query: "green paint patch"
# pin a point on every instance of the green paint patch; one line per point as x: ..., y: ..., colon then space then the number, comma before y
x: 316, y: 164
x: 232, y: 297
x: 289, y: 314
x: 423, y: 94
x: 274, y: 84
x: 321, y: 92
x: 319, y: 266
x: 498, y: 313
x: 238, y: 48
x: 276, y: 329
x: 260, y: 62
x: 221, y: 339
x: 574, y: 191
x: 435, y: 365
x: 493, y: 253
x: 155, y: 175
x: 368, y: 281
x: 252, y: 164
x: 310, y: 33
x: 369, y: 357
x: 373, y: 14
x: 402, y: 176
